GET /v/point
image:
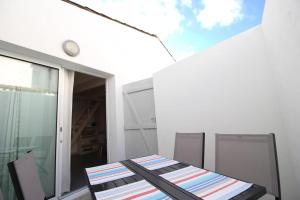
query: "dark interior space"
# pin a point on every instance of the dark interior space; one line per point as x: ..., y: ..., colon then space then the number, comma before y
x: 89, y: 146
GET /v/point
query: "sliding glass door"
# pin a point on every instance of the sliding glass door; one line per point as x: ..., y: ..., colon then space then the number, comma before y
x: 28, y: 119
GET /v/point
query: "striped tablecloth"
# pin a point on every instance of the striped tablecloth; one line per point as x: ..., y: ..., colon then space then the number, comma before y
x: 154, y: 162
x: 158, y: 178
x: 100, y: 176
x: 138, y: 190
x: 206, y: 184
x: 109, y: 172
x: 202, y: 183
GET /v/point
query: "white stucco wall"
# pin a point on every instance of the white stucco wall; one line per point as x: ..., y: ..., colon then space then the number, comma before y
x: 42, y: 26
x: 247, y: 84
x: 281, y: 29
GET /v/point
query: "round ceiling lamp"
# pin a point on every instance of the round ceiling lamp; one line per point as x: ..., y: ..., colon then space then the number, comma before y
x: 71, y: 48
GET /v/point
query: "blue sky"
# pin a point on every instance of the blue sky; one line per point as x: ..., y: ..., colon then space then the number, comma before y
x: 195, y: 38
x: 185, y: 26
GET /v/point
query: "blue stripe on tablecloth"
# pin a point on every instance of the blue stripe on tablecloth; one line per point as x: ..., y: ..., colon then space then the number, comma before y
x: 206, y: 184
x: 107, y: 172
x: 154, y: 162
x: 159, y: 196
x: 151, y: 162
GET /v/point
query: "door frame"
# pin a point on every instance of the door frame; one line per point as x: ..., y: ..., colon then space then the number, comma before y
x: 17, y: 52
x: 109, y: 91
x: 110, y: 122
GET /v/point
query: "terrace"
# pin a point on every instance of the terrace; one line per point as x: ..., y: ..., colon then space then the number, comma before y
x: 123, y: 95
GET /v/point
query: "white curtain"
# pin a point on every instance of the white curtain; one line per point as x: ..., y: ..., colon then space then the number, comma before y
x: 67, y: 126
x: 9, y: 131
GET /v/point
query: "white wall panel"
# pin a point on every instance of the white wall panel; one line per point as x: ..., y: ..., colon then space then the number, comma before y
x: 229, y: 88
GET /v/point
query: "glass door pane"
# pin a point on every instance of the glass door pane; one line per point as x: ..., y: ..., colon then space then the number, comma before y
x: 28, y: 119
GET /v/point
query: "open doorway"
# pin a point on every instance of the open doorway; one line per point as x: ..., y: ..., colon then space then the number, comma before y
x: 89, y: 144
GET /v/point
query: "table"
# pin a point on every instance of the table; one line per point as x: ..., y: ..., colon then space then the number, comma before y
x: 157, y: 177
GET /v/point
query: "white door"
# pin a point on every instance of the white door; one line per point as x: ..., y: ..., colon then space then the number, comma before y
x: 139, y: 119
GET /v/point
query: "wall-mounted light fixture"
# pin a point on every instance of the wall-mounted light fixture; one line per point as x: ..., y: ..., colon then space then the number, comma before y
x: 71, y: 48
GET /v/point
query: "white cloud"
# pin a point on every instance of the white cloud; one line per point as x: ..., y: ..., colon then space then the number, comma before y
x: 219, y: 13
x: 187, y: 3
x: 160, y: 17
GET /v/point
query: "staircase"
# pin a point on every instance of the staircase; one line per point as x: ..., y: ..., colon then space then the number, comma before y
x: 82, y: 119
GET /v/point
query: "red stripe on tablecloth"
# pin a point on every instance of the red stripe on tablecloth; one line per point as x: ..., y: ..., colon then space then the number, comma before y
x: 99, y: 170
x: 141, y: 194
x: 190, y: 177
x: 148, y: 159
x: 221, y: 188
x: 99, y: 178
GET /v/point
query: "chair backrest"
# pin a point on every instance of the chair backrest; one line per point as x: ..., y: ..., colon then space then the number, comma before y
x: 251, y: 158
x: 1, y: 195
x: 189, y: 148
x: 25, y: 178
